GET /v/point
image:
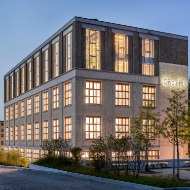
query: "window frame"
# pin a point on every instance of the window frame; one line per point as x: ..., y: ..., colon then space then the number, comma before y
x: 55, y: 97
x: 88, y: 90
x: 125, y: 132
x: 67, y: 91
x: 67, y: 126
x: 125, y: 99
x: 144, y: 101
x: 87, y: 137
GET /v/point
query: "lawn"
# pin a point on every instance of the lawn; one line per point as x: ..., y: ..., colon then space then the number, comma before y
x: 145, y: 180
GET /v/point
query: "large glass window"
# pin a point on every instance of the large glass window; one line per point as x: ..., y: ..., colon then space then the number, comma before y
x: 93, y: 92
x: 149, y: 128
x: 45, y: 130
x: 36, y: 154
x: 55, y: 133
x: 22, y: 108
x: 7, y: 113
x: 16, y: 133
x: 69, y: 51
x: 16, y: 110
x: 121, y: 53
x: 93, y: 49
x: 36, y: 131
x: 17, y: 83
x: 147, y: 56
x: 29, y: 78
x: 11, y: 133
x: 68, y: 128
x: 36, y: 71
x: 22, y: 80
x: 7, y: 134
x: 12, y: 86
x: 93, y: 127
x: 149, y: 96
x: 7, y: 89
x: 55, y: 97
x: 122, y: 94
x: 22, y: 132
x: 29, y: 106
x: 122, y: 127
x: 45, y: 65
x: 36, y: 104
x: 55, y: 55
x: 29, y: 131
x: 28, y: 153
x: 45, y: 101
x: 68, y: 93
x: 11, y: 112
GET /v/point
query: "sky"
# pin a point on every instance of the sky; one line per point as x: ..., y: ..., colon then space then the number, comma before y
x: 25, y: 24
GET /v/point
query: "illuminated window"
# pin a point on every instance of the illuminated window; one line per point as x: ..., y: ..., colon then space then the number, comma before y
x: 29, y: 132
x: 149, y: 128
x: 147, y: 56
x: 7, y: 134
x: 55, y: 55
x: 45, y: 130
x: 36, y: 154
x: 121, y: 127
x: 22, y: 132
x: 55, y: 129
x: 29, y: 77
x: 68, y: 128
x: 115, y: 156
x: 7, y: 88
x: 93, y: 92
x: 22, y: 80
x: 152, y: 154
x: 16, y: 133
x: 28, y: 153
x: 149, y: 96
x: 36, y: 131
x: 12, y: 86
x: 36, y: 104
x: 121, y: 53
x: 16, y: 110
x: 122, y: 94
x: 69, y: 51
x: 45, y: 101
x: 22, y: 151
x: 29, y: 106
x: 92, y: 49
x: 93, y: 125
x: 68, y: 93
x: 17, y: 83
x: 55, y: 97
x: 11, y: 133
x: 36, y: 71
x: 7, y: 113
x: 22, y: 108
x: 45, y: 65
x: 11, y: 112
x: 85, y: 155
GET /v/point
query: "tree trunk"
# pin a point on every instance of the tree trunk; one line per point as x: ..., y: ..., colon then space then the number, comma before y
x: 146, y: 156
x: 174, y: 160
x: 177, y: 160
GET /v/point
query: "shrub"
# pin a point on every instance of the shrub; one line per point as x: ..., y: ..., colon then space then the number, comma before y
x: 13, y: 158
x: 76, y: 153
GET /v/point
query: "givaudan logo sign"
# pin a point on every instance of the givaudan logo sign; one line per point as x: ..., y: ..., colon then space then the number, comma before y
x: 170, y: 82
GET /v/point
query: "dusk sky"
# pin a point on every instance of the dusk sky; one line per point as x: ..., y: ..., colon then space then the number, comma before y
x: 25, y: 24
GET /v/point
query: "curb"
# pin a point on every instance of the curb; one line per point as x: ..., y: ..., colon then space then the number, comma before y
x: 127, y: 185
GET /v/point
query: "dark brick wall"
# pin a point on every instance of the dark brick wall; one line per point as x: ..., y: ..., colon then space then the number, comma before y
x: 156, y: 57
x: 130, y: 54
x: 137, y: 43
x: 173, y: 51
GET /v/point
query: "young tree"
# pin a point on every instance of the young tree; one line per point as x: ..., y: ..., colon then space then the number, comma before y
x: 148, y: 123
x: 175, y: 124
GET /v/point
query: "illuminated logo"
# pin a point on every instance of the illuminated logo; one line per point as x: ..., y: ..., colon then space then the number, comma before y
x: 173, y: 82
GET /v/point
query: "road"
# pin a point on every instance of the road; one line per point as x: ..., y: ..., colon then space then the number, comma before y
x: 26, y: 179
